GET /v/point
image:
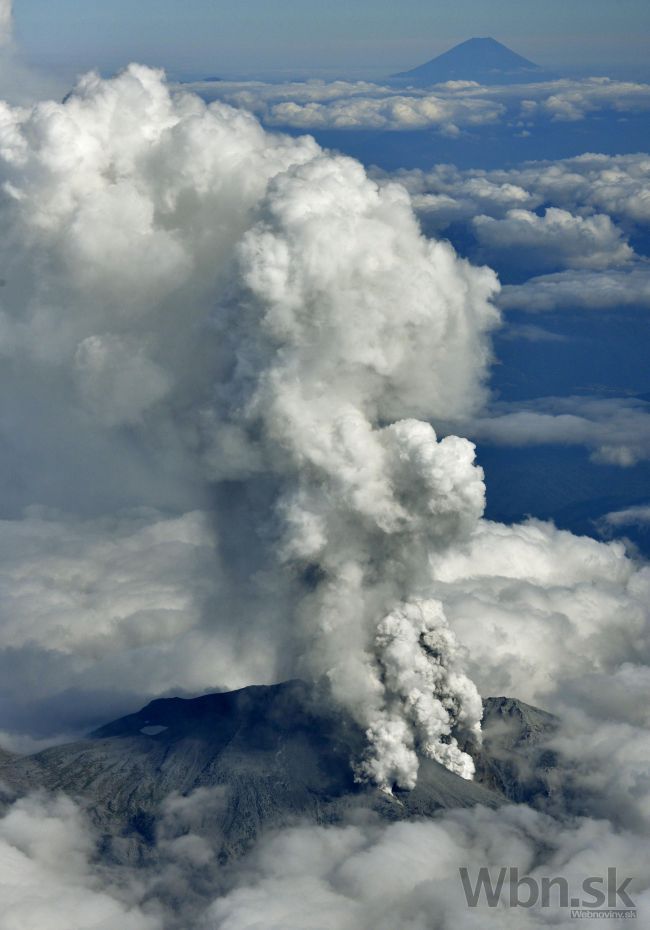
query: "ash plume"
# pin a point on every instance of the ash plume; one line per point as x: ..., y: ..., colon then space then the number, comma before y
x: 270, y: 327
x: 346, y: 328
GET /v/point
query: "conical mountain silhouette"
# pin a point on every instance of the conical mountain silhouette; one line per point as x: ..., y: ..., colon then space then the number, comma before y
x: 483, y: 60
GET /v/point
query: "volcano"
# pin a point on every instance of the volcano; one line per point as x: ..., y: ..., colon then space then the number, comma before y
x: 278, y: 755
x: 485, y: 61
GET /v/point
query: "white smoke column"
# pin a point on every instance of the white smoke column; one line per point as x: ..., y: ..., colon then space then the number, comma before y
x: 352, y: 321
x: 6, y: 21
x: 249, y: 305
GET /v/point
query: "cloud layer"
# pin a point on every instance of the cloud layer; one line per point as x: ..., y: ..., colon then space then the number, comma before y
x: 555, y: 239
x: 580, y: 290
x: 407, y: 874
x: 450, y: 107
x: 616, y: 430
x: 362, y: 875
x: 47, y: 877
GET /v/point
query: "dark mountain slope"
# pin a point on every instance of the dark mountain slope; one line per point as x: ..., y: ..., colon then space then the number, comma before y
x: 269, y: 755
x: 514, y: 759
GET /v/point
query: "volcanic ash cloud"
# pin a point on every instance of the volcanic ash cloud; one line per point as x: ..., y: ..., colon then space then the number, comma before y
x: 349, y: 324
x: 269, y: 326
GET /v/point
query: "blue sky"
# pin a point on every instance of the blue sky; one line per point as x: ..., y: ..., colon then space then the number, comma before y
x: 368, y: 35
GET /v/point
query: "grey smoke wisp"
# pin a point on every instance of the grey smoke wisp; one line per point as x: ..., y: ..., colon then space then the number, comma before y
x: 6, y: 21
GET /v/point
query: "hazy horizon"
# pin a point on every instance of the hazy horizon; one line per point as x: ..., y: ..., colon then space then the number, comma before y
x: 286, y: 38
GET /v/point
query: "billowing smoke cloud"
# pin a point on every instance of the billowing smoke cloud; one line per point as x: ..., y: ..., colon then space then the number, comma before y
x: 332, y: 290
x: 243, y: 323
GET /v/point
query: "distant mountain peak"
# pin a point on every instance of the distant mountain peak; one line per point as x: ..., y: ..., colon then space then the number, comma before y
x: 480, y: 59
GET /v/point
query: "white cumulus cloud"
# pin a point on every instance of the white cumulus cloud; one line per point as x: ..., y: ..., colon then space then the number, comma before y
x: 557, y: 239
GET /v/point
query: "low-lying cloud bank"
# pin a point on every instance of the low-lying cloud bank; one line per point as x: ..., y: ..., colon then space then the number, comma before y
x: 450, y: 107
x: 406, y: 875
x: 616, y: 430
x: 356, y: 105
x: 580, y: 290
x: 47, y: 877
x: 566, y: 225
x: 555, y: 239
x: 363, y: 875
x: 616, y: 185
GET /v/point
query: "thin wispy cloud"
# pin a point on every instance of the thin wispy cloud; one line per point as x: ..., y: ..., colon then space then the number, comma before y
x: 6, y: 21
